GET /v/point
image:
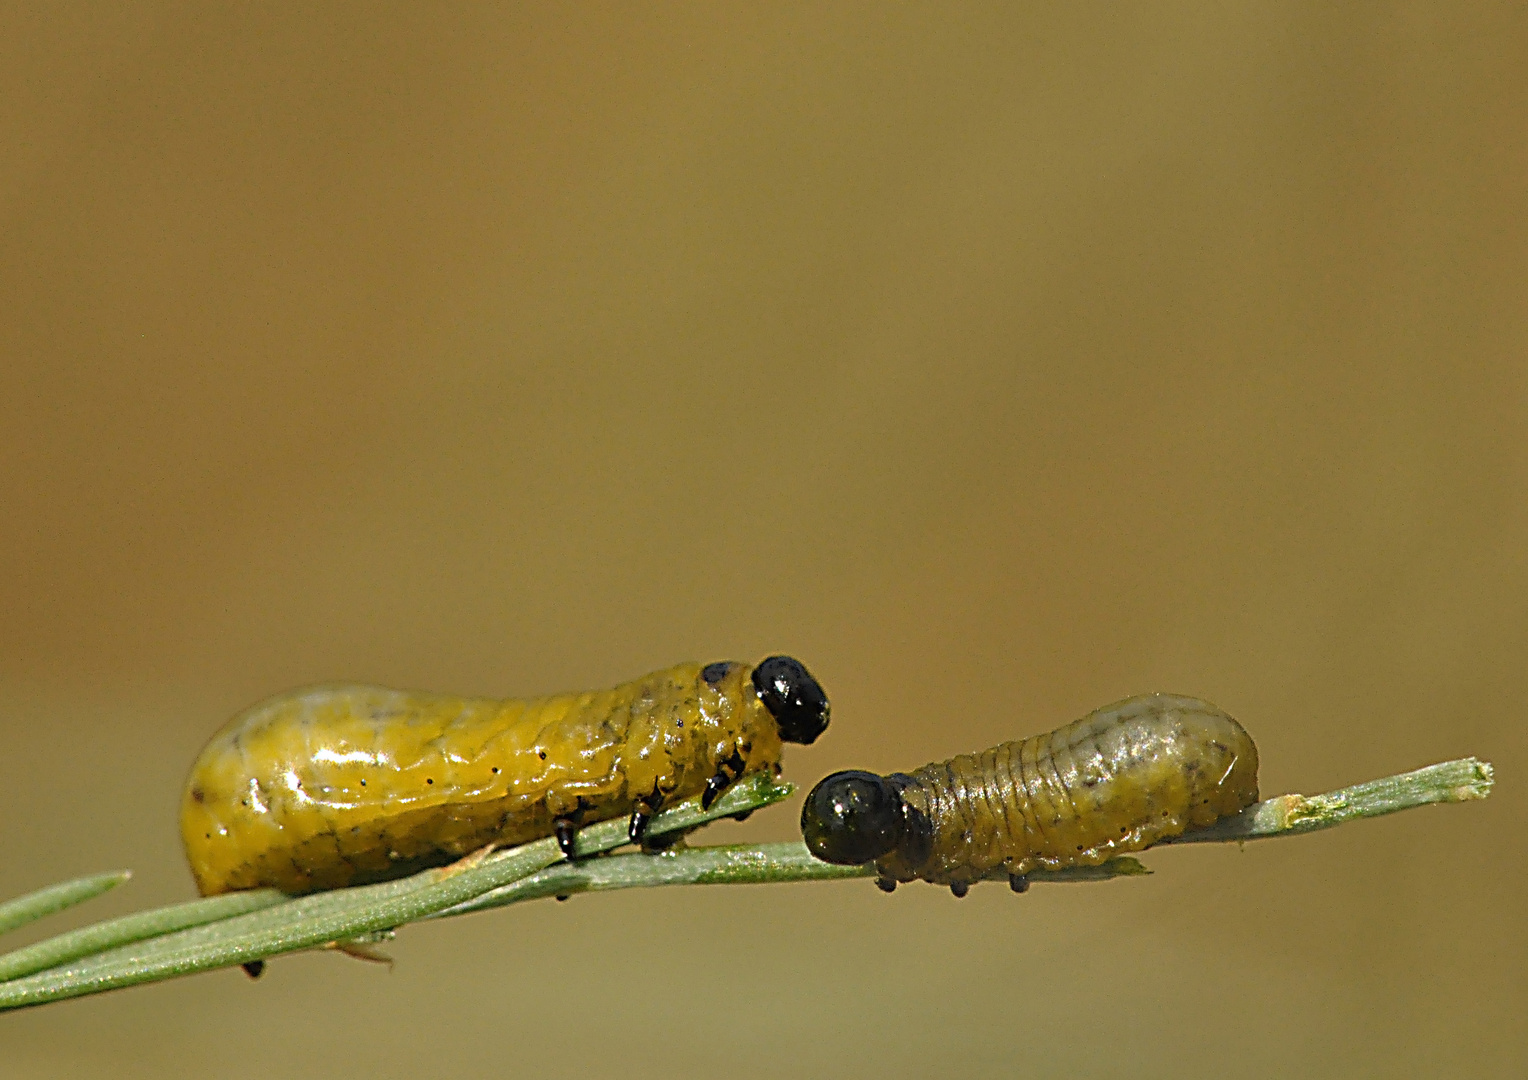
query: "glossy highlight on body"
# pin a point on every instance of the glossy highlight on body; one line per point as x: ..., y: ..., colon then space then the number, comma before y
x: 347, y: 784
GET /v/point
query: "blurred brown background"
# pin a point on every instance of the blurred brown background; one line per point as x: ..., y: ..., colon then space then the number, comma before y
x: 999, y: 362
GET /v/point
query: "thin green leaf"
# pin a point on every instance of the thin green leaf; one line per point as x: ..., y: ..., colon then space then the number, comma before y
x: 65, y: 894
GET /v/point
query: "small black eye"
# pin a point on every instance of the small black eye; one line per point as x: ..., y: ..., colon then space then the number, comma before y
x: 853, y: 818
x: 792, y: 697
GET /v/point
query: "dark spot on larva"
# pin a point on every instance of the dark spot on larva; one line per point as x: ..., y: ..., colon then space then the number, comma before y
x: 355, y: 828
x: 245, y: 802
x: 363, y: 781
x: 496, y: 770
x: 1079, y: 847
x: 198, y: 794
x: 1123, y: 830
x: 715, y: 673
x: 429, y: 780
x: 208, y: 835
x: 541, y: 754
x: 680, y: 723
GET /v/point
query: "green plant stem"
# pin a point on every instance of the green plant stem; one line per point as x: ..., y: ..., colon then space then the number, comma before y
x: 65, y: 894
x: 1461, y: 780
x: 734, y: 864
x: 249, y: 926
x: 98, y: 937
x: 343, y: 914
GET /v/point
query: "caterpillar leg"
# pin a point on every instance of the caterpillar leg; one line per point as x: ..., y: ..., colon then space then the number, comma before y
x: 1018, y: 882
x: 254, y: 968
x: 886, y: 884
x: 567, y: 836
x: 653, y: 845
x: 565, y: 828
x: 959, y: 888
x: 727, y: 772
x: 642, y: 813
x: 714, y: 788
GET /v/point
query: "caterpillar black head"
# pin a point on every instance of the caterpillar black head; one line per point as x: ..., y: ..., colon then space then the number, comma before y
x: 852, y: 818
x: 793, y: 698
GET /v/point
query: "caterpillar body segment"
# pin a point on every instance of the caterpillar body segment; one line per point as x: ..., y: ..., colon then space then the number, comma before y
x: 1116, y: 781
x: 347, y: 784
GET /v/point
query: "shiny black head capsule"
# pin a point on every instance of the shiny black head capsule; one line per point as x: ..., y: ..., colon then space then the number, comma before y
x: 852, y: 818
x: 792, y: 697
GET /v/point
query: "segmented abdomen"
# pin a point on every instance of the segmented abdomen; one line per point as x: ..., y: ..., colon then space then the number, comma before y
x: 341, y: 785
x: 1118, y: 780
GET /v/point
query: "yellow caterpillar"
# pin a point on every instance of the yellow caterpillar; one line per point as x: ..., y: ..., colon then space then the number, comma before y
x: 345, y: 784
x: 1118, y: 780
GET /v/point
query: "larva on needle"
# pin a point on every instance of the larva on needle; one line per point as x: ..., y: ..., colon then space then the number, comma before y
x: 1116, y: 781
x: 343, y: 785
